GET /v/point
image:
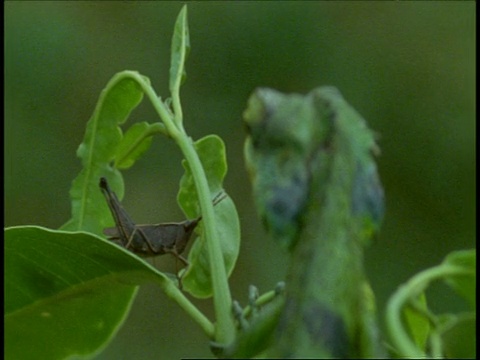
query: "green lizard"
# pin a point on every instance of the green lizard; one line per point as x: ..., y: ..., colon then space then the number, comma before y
x: 311, y: 160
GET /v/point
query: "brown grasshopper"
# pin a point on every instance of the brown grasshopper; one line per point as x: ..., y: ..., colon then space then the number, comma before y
x: 148, y: 240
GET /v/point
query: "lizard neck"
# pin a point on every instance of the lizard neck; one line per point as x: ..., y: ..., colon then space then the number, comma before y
x: 326, y: 275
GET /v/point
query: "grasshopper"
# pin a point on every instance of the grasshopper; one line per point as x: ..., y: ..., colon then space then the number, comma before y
x: 148, y: 240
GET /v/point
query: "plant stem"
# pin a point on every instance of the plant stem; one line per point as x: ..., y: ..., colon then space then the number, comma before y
x: 162, y: 111
x: 225, y: 327
x: 399, y: 337
x: 175, y: 294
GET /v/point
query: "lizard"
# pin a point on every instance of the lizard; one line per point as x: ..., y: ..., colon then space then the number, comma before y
x: 311, y: 159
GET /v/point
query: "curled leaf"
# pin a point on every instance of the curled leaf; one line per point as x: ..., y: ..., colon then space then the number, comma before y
x: 98, y: 149
x: 197, y: 277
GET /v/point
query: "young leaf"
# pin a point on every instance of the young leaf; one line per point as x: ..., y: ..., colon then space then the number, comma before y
x: 417, y: 323
x: 89, y: 211
x: 67, y: 294
x: 133, y: 145
x: 179, y: 51
x: 197, y: 278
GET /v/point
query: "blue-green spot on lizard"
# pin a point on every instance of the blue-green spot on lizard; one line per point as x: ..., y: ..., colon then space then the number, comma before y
x: 315, y: 182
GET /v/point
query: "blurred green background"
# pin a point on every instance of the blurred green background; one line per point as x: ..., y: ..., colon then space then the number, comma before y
x: 407, y: 67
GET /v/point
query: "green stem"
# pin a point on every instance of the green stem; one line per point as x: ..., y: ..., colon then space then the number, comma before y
x: 225, y: 326
x: 175, y: 294
x: 177, y: 109
x: 162, y: 111
x: 399, y: 337
x: 225, y: 329
x: 156, y: 128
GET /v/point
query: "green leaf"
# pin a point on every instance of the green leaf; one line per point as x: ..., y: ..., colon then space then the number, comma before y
x: 459, y: 336
x: 464, y: 284
x: 89, y: 211
x: 417, y: 323
x: 67, y: 294
x: 134, y: 143
x: 197, y: 279
x: 179, y: 51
